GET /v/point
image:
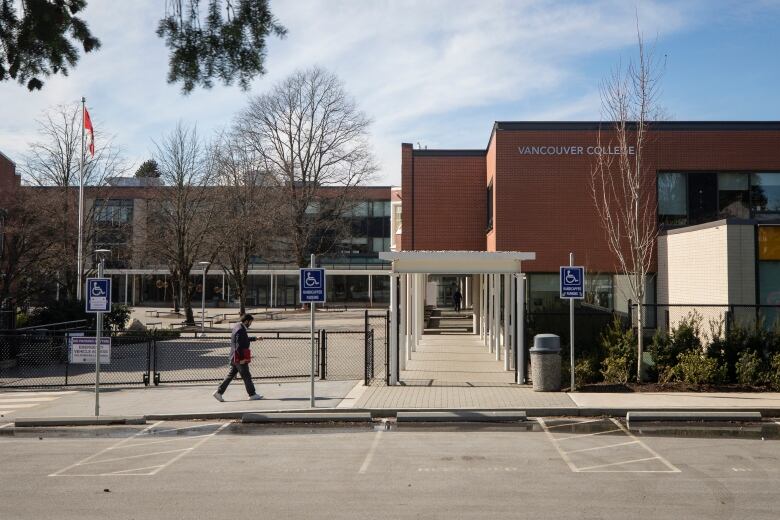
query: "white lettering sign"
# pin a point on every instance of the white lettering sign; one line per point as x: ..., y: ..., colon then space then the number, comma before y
x: 576, y: 150
x: 83, y: 350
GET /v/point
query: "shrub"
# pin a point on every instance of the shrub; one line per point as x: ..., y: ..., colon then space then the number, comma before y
x: 748, y: 369
x: 667, y: 349
x: 586, y: 371
x: 774, y: 372
x: 619, y: 343
x: 118, y: 317
x: 616, y: 369
x: 697, y: 369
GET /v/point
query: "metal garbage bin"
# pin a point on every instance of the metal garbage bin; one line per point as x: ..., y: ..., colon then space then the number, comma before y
x: 546, y: 363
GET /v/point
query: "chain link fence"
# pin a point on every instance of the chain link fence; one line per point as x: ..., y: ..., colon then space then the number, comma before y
x: 37, y: 360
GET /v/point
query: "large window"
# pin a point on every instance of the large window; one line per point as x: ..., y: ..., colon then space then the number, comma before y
x: 672, y: 199
x: 696, y: 197
x: 765, y: 195
x: 113, y: 230
x: 733, y: 199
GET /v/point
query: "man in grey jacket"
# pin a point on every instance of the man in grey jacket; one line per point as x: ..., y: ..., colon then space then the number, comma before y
x: 240, y: 357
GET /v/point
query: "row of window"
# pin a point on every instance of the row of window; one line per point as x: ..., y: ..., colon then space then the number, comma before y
x: 697, y: 197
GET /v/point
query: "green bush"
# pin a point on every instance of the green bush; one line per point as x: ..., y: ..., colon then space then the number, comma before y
x: 586, y: 371
x: 619, y: 343
x: 748, y: 369
x: 697, y: 369
x: 616, y: 369
x: 667, y: 349
x: 774, y: 372
x: 118, y: 317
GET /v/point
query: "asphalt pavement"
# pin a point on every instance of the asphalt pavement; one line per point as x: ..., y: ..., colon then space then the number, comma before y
x: 550, y: 468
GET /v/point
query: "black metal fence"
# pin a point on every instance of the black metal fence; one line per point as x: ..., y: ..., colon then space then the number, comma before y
x: 665, y: 316
x: 38, y: 360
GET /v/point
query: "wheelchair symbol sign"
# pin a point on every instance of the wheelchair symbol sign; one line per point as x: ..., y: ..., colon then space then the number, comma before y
x: 572, y: 282
x: 98, y: 295
x: 312, y: 285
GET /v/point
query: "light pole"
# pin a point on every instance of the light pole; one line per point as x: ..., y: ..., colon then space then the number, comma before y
x: 99, y: 332
x: 205, y: 266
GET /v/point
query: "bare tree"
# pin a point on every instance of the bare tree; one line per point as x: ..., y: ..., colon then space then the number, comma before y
x: 25, y: 248
x: 622, y: 181
x: 310, y: 135
x: 180, y: 221
x: 248, y: 202
x: 53, y: 163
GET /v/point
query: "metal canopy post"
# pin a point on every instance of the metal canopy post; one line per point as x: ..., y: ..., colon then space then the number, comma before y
x: 393, y: 329
x: 403, y: 310
x: 507, y: 312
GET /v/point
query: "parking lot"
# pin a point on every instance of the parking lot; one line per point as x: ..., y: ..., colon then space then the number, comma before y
x: 552, y: 468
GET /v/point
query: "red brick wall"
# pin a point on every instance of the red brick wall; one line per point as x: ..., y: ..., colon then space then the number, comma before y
x: 443, y: 202
x: 9, y: 181
x: 543, y: 203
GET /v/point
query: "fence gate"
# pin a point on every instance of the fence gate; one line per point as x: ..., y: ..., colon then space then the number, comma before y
x: 377, y: 348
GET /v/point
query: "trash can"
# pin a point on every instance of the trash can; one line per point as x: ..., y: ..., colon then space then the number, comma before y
x: 546, y: 363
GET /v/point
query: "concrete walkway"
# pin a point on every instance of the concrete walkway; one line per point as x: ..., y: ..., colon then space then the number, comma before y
x: 454, y: 360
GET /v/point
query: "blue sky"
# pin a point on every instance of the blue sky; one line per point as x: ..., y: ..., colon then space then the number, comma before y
x: 437, y: 72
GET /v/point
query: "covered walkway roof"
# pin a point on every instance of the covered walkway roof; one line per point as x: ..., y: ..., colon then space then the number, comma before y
x: 456, y: 262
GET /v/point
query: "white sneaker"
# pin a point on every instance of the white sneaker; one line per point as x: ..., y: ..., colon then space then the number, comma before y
x: 218, y: 396
x: 255, y: 397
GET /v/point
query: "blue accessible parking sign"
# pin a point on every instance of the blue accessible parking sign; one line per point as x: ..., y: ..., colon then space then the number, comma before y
x: 572, y: 282
x: 98, y: 295
x: 312, y: 285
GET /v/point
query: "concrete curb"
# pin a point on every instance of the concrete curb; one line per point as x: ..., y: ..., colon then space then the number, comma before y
x: 31, y: 422
x: 637, y: 416
x: 461, y: 416
x: 195, y: 416
x: 310, y: 417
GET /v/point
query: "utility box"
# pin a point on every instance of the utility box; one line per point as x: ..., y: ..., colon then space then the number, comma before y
x: 546, y: 363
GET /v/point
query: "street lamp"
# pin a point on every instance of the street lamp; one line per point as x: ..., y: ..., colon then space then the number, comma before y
x: 205, y: 266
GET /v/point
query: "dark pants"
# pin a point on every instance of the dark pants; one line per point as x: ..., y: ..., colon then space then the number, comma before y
x: 245, y: 375
x: 457, y: 305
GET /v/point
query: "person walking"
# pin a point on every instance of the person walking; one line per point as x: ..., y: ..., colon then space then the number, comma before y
x: 456, y: 299
x: 240, y: 357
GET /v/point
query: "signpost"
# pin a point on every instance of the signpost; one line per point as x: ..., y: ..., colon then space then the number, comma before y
x: 572, y: 287
x: 312, y: 291
x: 98, y: 299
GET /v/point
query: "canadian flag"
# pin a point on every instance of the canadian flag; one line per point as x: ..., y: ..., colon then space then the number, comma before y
x: 90, y: 133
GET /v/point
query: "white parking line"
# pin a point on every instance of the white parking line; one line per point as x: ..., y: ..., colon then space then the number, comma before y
x: 129, y: 457
x: 563, y: 454
x: 672, y: 467
x: 179, y: 456
x: 8, y: 425
x: 188, y: 437
x: 597, y: 447
x: 101, y: 452
x: 370, y: 454
x: 575, y: 423
x: 588, y: 468
x: 559, y: 439
x: 157, y: 432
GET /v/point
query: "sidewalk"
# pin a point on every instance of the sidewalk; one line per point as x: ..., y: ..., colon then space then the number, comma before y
x: 194, y: 401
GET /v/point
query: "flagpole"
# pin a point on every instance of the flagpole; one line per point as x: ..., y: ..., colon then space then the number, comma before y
x: 80, y: 267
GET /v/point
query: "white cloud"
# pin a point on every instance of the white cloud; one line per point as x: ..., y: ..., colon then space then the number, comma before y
x: 414, y: 67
